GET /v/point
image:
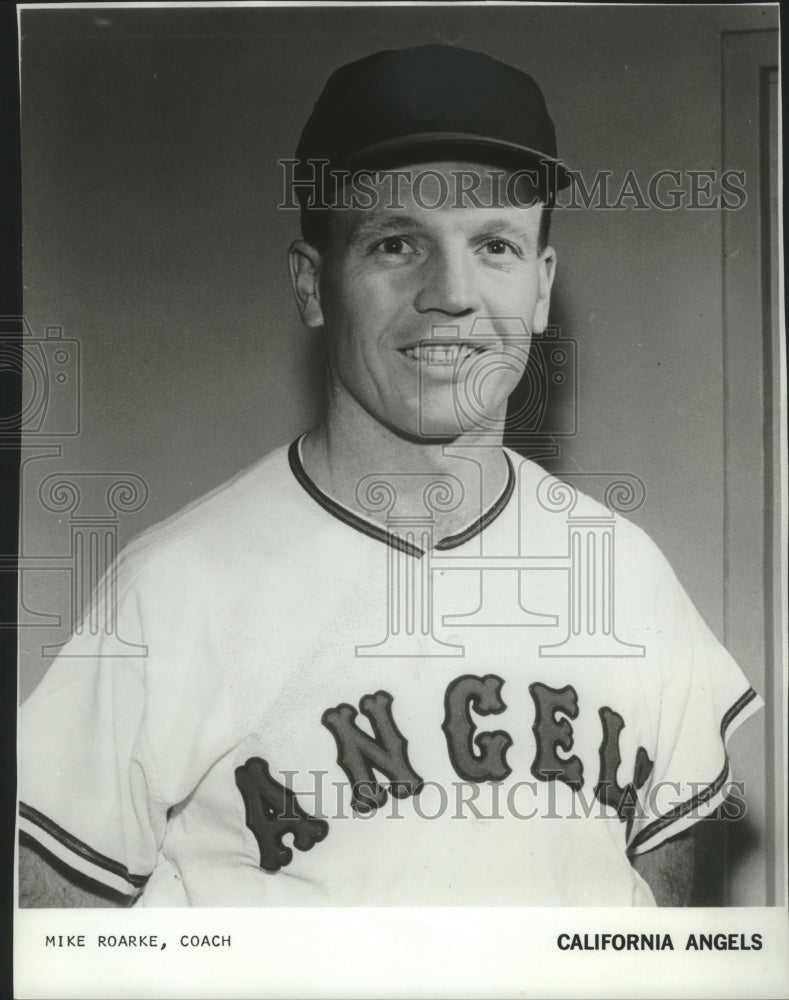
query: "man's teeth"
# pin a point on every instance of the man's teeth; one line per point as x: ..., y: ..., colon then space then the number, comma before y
x: 443, y: 354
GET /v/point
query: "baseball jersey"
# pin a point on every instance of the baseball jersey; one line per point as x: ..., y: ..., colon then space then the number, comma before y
x: 313, y: 706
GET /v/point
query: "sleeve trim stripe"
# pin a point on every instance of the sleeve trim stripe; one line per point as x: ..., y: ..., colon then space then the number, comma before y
x: 78, y: 847
x: 706, y: 794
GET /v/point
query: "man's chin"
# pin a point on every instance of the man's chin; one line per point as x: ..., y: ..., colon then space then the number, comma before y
x: 442, y: 428
x: 470, y: 410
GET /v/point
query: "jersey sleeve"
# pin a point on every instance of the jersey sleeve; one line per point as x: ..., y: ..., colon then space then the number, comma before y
x: 704, y: 698
x: 86, y: 777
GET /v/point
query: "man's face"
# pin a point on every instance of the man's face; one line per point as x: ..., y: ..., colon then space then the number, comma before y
x: 429, y: 311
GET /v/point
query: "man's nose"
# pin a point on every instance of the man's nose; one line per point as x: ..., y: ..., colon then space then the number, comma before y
x: 447, y: 284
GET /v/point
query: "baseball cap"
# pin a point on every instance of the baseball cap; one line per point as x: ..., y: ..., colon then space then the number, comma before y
x: 431, y: 102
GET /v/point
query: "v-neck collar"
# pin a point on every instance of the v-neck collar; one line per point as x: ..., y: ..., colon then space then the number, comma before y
x: 374, y: 530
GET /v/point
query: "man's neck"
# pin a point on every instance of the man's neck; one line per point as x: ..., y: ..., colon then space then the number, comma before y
x: 386, y: 477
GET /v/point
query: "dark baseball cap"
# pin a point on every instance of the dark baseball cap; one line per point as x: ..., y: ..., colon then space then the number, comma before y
x: 430, y: 103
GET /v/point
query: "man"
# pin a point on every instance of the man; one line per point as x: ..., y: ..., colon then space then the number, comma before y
x: 394, y: 663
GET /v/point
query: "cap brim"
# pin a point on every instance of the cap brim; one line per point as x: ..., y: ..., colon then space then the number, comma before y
x: 487, y: 149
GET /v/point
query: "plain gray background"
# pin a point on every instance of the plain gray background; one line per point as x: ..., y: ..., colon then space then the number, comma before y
x: 152, y: 237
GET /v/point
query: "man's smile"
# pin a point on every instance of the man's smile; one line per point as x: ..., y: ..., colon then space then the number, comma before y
x: 432, y: 353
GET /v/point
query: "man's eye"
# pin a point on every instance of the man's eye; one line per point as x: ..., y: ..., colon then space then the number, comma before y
x: 394, y: 246
x: 500, y: 247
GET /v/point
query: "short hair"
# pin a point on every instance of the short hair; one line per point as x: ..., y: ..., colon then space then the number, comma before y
x: 545, y: 225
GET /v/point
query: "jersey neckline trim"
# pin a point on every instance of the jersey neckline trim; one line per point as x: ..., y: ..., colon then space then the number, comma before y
x: 372, y: 530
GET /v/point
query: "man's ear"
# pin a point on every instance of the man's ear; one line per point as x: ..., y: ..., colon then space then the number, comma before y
x: 546, y: 266
x: 304, y: 262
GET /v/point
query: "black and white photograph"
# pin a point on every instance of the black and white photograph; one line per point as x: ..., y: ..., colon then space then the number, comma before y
x: 402, y: 489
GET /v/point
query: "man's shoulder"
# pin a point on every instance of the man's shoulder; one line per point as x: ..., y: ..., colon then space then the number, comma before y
x: 560, y: 502
x: 247, y: 509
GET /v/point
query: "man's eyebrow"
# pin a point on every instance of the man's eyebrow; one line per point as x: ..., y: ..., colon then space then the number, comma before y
x: 371, y: 227
x: 505, y: 227
x: 381, y: 225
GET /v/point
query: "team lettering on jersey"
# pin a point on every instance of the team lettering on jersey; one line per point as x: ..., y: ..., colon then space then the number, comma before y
x: 273, y: 811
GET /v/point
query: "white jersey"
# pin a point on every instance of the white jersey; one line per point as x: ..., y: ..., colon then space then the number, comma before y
x: 321, y: 710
